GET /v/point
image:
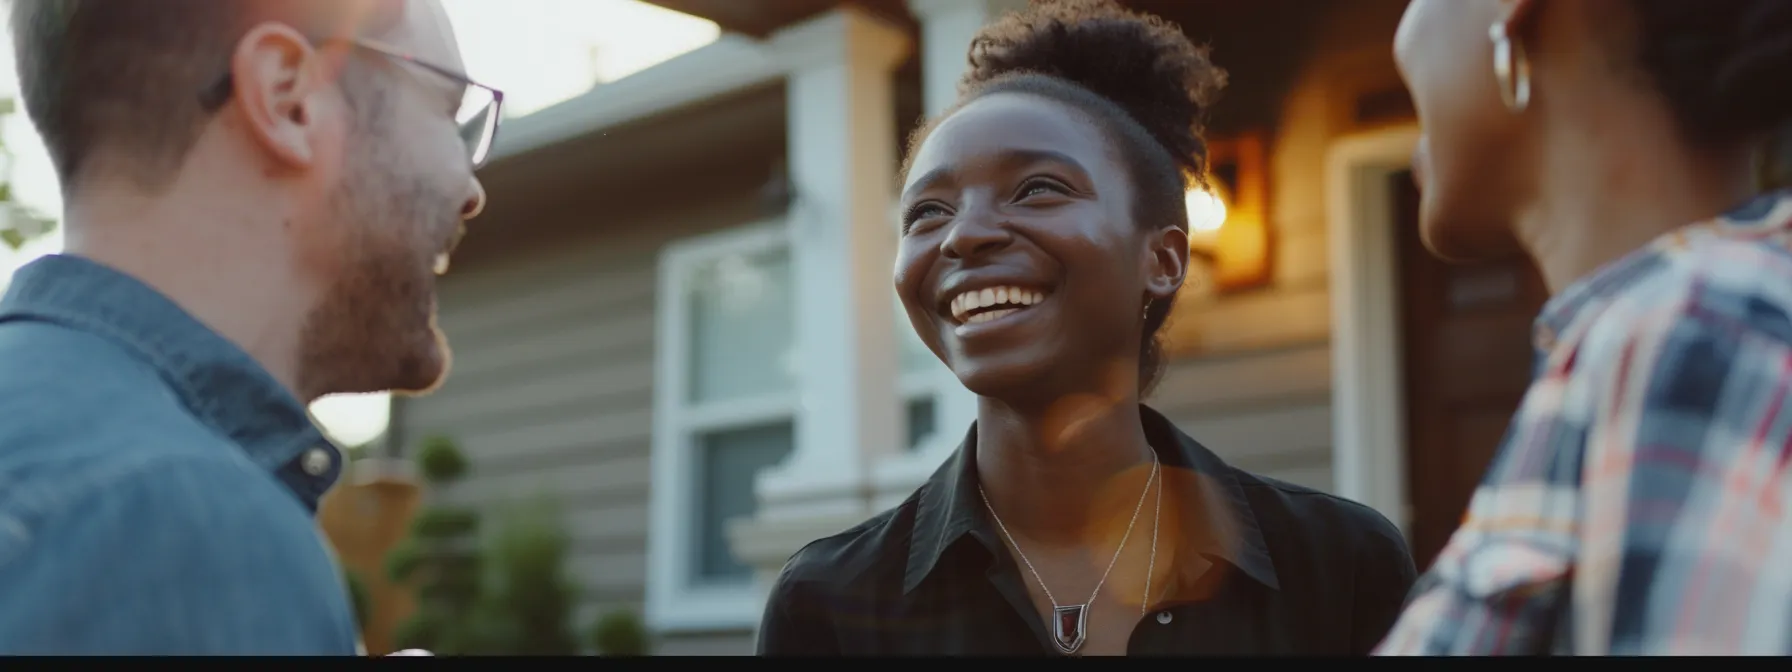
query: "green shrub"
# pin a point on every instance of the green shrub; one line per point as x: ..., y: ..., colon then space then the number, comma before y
x: 444, y: 523
x: 530, y: 599
x: 510, y: 596
x: 403, y: 560
x: 619, y: 633
x: 441, y: 461
x: 440, y: 559
x: 357, y: 598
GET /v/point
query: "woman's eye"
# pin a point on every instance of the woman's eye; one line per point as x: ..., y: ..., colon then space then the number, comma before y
x: 1038, y: 187
x: 922, y: 211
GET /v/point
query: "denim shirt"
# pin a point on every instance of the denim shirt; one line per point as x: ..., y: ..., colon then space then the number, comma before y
x: 157, y: 485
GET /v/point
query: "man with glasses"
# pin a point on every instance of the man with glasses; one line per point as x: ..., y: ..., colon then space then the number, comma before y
x: 259, y: 197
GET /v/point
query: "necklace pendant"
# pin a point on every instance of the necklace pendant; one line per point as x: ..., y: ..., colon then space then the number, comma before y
x: 1068, y: 627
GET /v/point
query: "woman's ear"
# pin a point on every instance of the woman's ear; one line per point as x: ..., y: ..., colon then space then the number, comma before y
x: 1168, y: 266
x: 1517, y: 15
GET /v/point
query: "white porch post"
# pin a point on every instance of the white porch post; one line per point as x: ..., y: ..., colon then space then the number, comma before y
x: 842, y: 134
x: 947, y: 27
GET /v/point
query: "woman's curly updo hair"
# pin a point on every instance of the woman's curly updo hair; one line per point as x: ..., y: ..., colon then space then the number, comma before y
x: 1136, y: 76
x: 1724, y: 66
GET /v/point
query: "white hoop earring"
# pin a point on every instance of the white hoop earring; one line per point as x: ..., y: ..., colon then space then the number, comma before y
x: 1511, y: 68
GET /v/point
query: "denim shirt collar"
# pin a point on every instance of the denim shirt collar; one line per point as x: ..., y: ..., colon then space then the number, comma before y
x: 220, y: 384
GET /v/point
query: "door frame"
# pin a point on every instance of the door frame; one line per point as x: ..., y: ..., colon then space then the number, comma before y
x: 1368, y: 397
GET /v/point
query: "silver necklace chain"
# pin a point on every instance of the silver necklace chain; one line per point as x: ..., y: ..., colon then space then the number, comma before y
x: 1151, y: 567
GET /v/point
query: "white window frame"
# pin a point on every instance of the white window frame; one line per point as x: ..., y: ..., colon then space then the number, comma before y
x: 674, y: 602
x: 895, y: 477
x: 912, y: 386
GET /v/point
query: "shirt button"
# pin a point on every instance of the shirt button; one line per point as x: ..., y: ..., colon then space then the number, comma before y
x: 1544, y: 338
x: 316, y: 462
x: 1164, y: 617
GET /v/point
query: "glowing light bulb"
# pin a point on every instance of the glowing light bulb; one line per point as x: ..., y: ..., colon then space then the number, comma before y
x: 1206, y: 211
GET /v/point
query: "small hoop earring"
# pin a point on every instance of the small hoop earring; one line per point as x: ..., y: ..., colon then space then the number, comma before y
x: 1512, y: 69
x: 1145, y: 314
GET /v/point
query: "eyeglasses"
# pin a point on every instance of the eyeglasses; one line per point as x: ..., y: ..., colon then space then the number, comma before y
x: 479, y: 114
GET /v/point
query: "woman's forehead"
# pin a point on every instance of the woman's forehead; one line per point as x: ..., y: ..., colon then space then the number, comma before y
x: 1006, y: 124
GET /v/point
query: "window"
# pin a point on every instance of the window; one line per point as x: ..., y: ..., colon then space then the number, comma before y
x: 921, y: 378
x: 724, y: 411
x: 725, y: 407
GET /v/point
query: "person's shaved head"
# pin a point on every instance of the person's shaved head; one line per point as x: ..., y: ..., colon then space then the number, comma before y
x: 116, y: 85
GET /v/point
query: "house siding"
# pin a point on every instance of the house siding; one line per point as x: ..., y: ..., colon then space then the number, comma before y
x: 1252, y: 379
x: 551, y: 391
x: 1267, y: 412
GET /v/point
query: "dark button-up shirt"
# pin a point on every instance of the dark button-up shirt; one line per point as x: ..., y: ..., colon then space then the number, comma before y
x: 157, y: 485
x: 1266, y: 568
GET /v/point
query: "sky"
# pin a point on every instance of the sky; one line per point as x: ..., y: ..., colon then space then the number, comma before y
x: 507, y: 44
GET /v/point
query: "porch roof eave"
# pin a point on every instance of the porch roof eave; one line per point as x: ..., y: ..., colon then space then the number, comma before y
x: 731, y: 64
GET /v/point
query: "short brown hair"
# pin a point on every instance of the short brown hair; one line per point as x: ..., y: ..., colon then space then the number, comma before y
x: 118, y: 82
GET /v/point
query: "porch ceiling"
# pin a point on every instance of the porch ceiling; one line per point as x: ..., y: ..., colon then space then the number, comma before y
x: 638, y: 167
x: 760, y: 18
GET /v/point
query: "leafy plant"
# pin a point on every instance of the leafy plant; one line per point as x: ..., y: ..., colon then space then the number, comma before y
x: 508, y: 596
x: 530, y: 600
x: 358, y: 598
x: 441, y: 560
x: 18, y: 223
x: 619, y: 633
x: 441, y: 461
x: 444, y: 523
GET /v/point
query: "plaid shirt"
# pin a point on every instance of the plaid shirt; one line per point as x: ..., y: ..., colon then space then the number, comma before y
x: 1638, y: 502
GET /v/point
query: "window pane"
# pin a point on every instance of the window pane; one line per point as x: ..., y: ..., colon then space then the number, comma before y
x: 915, y: 355
x: 920, y: 421
x: 728, y: 461
x: 742, y: 323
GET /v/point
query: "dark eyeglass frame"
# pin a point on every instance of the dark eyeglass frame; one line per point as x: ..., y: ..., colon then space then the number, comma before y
x: 215, y: 96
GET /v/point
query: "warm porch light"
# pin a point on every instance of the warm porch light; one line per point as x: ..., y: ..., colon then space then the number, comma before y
x: 1206, y: 216
x: 1228, y: 215
x: 1229, y: 235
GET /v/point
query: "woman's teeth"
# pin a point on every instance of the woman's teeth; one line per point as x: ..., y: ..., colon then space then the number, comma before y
x: 980, y: 318
x: 982, y: 305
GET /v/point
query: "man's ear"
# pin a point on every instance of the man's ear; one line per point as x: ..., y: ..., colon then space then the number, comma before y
x: 276, y: 75
x: 1169, y: 263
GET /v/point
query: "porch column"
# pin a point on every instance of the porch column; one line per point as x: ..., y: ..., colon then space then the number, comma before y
x: 947, y: 27
x: 842, y: 160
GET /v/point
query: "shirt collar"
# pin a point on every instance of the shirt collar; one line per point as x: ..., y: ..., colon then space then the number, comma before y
x: 948, y: 507
x: 1768, y: 214
x: 218, y: 382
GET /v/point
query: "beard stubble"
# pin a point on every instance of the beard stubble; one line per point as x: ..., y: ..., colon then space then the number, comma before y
x: 375, y: 328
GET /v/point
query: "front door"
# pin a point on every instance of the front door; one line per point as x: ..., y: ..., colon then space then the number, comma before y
x: 1467, y: 359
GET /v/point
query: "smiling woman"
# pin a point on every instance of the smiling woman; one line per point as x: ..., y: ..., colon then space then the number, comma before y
x: 1044, y: 238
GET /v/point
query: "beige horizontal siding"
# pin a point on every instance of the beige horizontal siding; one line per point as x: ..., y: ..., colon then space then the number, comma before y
x: 551, y: 391
x: 1267, y: 412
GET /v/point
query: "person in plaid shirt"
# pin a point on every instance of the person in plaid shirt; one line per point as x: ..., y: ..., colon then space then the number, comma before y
x: 1639, y: 502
